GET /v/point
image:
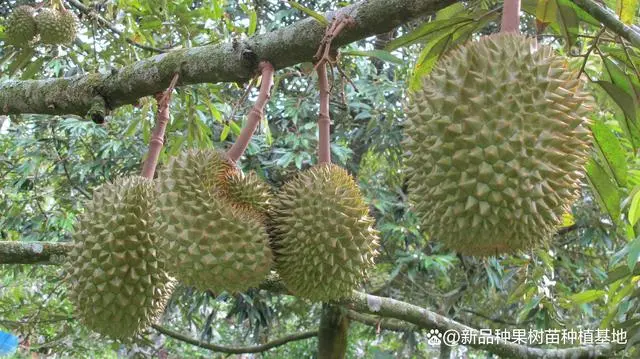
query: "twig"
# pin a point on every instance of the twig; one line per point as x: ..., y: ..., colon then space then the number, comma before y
x: 255, y: 114
x: 324, y: 121
x: 593, y: 46
x: 157, y: 136
x: 606, y: 17
x: 237, y: 350
x: 92, y: 14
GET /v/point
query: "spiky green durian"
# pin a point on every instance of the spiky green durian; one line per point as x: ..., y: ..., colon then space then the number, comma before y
x: 248, y: 192
x: 57, y: 27
x: 117, y: 281
x: 497, y: 139
x: 209, y: 243
x: 324, y: 238
x: 20, y: 28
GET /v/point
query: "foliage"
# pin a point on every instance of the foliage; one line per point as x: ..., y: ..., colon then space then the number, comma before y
x: 587, y: 277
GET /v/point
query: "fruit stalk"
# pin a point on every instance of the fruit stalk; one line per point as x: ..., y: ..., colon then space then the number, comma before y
x: 511, y: 16
x: 324, y: 121
x: 255, y: 115
x: 157, y: 136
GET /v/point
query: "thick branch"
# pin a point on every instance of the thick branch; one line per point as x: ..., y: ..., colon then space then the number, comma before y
x: 255, y: 115
x: 33, y: 252
x: 424, y: 318
x: 237, y: 350
x: 609, y: 19
x: 229, y: 62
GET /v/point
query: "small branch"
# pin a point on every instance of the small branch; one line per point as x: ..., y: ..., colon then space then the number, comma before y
x: 511, y: 16
x: 609, y: 19
x: 593, y: 46
x: 255, y: 115
x: 381, y: 323
x: 92, y: 14
x: 157, y: 136
x: 237, y: 350
x: 324, y: 121
x: 424, y: 318
x: 13, y: 252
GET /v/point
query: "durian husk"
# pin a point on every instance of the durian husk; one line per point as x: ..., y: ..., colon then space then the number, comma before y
x: 57, y: 27
x: 20, y: 28
x: 209, y: 242
x: 497, y: 139
x: 117, y: 280
x: 324, y: 239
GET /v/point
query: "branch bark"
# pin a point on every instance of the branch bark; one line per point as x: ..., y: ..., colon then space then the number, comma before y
x: 43, y: 252
x: 229, y: 62
x: 33, y: 252
x: 609, y: 19
x: 424, y: 318
x: 236, y: 350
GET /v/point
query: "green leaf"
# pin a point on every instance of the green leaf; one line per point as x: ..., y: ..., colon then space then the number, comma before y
x: 604, y: 189
x: 626, y: 9
x: 427, y: 59
x: 321, y: 19
x: 235, y: 128
x: 225, y: 132
x: 546, y: 11
x: 634, y: 209
x: 634, y: 253
x: 626, y: 102
x: 611, y: 151
x: 618, y: 77
x: 450, y: 11
x: 439, y: 27
x: 380, y: 54
x: 587, y: 296
x: 568, y: 22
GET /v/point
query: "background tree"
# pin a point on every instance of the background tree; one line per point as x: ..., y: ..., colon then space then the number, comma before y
x: 52, y: 157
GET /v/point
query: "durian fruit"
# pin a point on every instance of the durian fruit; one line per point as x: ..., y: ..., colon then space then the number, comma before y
x: 117, y: 281
x: 57, y: 26
x: 209, y: 243
x: 247, y: 192
x: 497, y: 139
x: 323, y: 236
x: 20, y: 28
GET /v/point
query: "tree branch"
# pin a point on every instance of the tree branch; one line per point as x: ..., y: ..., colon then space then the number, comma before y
x: 94, y: 15
x: 424, y: 318
x: 237, y: 350
x: 44, y: 252
x: 229, y: 62
x: 12, y: 252
x: 609, y: 19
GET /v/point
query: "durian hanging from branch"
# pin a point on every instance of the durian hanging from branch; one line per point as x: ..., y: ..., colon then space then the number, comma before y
x: 213, y: 215
x: 324, y: 240
x: 497, y: 139
x: 117, y: 278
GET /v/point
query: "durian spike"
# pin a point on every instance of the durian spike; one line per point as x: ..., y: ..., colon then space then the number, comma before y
x: 255, y: 115
x: 157, y: 136
x: 511, y: 16
x: 324, y: 121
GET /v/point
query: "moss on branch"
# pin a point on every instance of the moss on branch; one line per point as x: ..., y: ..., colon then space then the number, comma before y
x: 236, y: 61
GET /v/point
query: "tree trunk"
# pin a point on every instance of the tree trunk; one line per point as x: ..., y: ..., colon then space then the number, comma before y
x: 332, y: 336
